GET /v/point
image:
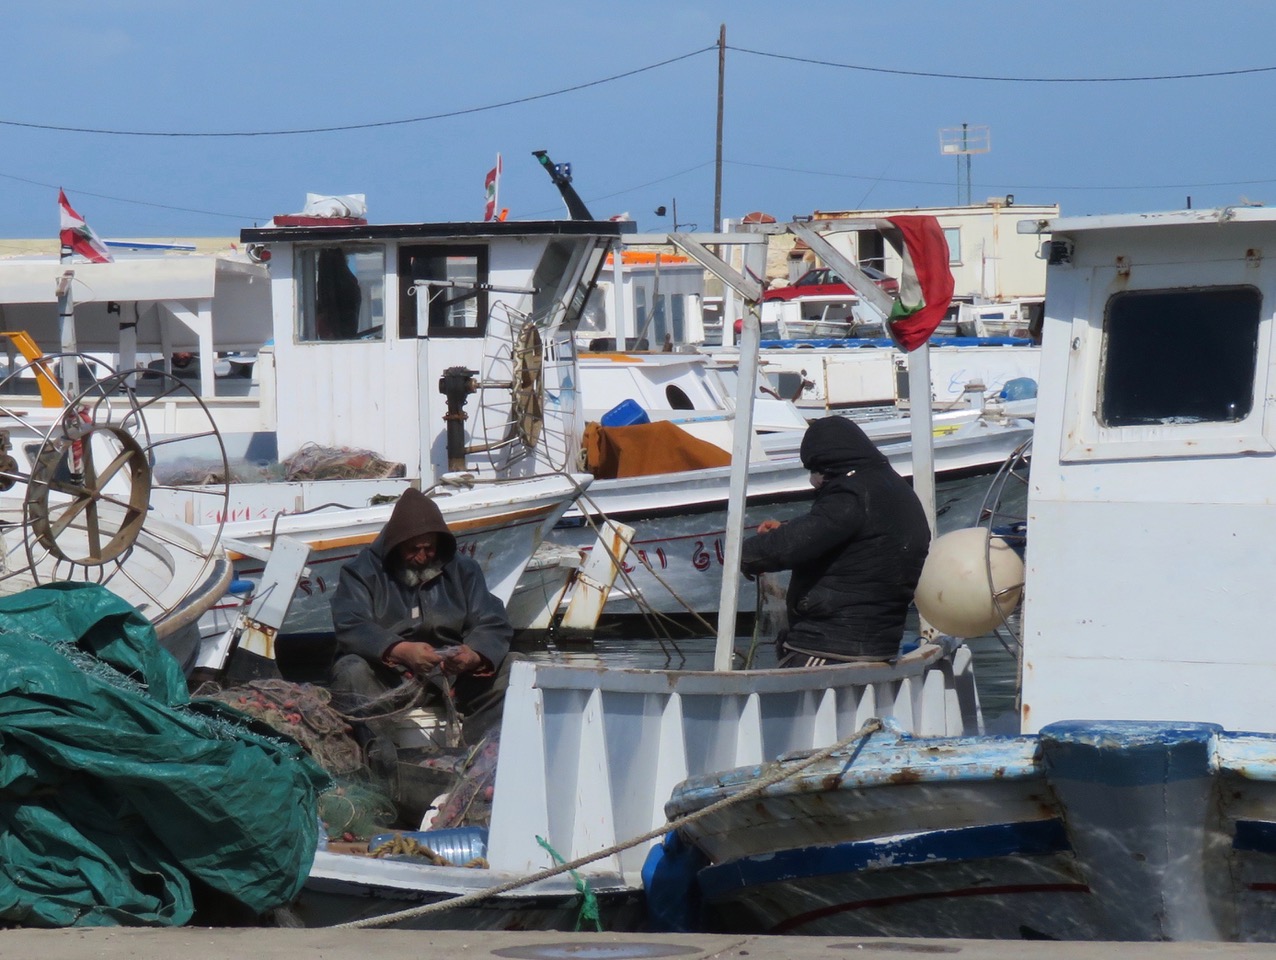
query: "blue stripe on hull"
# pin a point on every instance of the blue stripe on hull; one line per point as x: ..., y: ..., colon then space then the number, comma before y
x: 1023, y: 839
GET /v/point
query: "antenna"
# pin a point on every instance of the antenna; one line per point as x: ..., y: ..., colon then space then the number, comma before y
x: 961, y: 142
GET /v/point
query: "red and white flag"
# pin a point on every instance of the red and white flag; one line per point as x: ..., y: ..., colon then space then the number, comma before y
x: 78, y: 237
x: 492, y: 184
x: 926, y: 281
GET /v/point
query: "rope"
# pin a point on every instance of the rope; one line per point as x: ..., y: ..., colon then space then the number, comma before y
x: 757, y: 624
x: 777, y: 775
x: 588, y: 902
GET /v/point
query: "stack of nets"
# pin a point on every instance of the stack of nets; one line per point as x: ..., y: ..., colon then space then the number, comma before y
x: 352, y: 809
x: 314, y: 462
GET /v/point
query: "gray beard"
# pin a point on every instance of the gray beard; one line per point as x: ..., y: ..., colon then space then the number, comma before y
x: 413, y: 577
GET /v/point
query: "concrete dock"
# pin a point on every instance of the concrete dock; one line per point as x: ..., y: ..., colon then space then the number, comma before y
x: 190, y: 943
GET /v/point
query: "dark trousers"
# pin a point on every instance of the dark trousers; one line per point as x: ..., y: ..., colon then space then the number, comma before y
x: 357, y: 682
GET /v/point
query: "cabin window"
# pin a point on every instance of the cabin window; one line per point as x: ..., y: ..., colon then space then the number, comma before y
x: 659, y: 325
x: 453, y: 281
x: 565, y: 275
x: 953, y: 236
x: 640, y: 317
x: 342, y: 293
x: 678, y: 314
x: 1179, y: 356
x: 593, y: 319
x: 677, y: 397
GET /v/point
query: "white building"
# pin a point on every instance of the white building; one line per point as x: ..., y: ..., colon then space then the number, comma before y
x: 989, y: 259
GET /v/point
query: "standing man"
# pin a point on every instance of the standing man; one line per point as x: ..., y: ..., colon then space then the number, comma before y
x: 856, y: 557
x: 409, y: 609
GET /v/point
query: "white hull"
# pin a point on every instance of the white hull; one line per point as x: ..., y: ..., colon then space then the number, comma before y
x: 343, y: 888
x: 680, y: 519
x: 588, y: 758
x: 499, y: 525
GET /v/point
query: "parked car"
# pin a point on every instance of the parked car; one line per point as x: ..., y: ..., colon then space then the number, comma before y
x: 821, y: 281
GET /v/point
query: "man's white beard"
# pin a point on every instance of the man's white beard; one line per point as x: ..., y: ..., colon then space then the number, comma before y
x: 415, y: 576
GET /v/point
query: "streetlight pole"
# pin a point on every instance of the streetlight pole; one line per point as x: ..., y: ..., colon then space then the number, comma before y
x: 717, y: 167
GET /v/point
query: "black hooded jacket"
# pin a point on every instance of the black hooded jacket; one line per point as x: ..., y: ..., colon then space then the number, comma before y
x: 856, y: 557
x: 372, y: 610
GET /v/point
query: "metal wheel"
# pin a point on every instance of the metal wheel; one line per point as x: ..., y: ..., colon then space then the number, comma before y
x: 74, y: 529
x: 522, y: 372
x: 1004, y: 515
x: 94, y: 506
x: 529, y: 386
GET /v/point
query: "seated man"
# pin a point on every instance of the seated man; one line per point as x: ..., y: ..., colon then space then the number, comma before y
x: 856, y: 557
x: 410, y: 609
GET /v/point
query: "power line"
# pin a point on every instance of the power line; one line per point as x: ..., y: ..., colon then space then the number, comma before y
x: 617, y: 193
x: 362, y: 126
x: 140, y: 203
x: 1012, y: 186
x: 996, y: 79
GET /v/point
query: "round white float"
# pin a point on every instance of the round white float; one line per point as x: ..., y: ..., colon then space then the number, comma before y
x: 955, y: 593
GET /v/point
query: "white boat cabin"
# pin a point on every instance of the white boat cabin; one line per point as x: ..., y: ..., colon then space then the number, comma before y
x: 195, y: 305
x: 368, y: 320
x: 1150, y: 563
x: 646, y: 300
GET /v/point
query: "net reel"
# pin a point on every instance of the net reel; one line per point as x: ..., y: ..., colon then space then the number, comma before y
x: 77, y: 486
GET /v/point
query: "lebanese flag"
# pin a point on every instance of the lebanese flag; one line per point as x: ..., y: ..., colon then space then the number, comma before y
x: 492, y: 184
x: 78, y: 236
x: 926, y: 282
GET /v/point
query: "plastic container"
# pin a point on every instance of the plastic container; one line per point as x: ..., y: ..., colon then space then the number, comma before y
x: 458, y: 845
x: 624, y: 414
x: 1020, y: 388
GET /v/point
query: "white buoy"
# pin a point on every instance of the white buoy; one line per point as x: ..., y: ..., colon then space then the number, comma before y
x: 956, y: 593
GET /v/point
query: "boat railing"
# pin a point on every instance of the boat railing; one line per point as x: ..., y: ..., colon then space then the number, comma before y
x: 590, y: 756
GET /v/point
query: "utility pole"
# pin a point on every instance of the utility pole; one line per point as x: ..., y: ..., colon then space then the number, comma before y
x: 717, y: 167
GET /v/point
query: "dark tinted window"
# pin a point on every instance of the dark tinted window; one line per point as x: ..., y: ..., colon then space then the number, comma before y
x: 1179, y: 356
x: 456, y: 278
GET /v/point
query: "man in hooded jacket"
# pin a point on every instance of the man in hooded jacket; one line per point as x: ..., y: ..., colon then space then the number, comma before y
x: 856, y: 557
x: 409, y: 606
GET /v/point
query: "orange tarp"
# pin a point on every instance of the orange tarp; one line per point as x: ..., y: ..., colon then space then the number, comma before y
x: 646, y: 448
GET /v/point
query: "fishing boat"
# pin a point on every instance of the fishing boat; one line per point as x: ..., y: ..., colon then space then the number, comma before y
x: 1135, y: 799
x: 588, y: 755
x: 362, y: 326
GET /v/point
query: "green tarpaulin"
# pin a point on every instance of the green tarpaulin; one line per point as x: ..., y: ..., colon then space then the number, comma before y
x: 120, y: 798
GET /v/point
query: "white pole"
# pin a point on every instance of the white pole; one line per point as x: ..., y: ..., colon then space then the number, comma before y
x: 724, y: 651
x: 620, y: 323
x: 66, y: 329
x: 920, y: 424
x: 742, y: 436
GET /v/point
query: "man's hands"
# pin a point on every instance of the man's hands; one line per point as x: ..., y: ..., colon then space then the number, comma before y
x: 421, y: 657
x: 766, y: 526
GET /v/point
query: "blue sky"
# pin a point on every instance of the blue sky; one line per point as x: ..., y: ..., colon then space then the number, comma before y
x: 799, y: 136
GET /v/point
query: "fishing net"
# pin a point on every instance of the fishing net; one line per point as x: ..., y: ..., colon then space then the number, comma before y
x: 469, y: 801
x: 354, y: 810
x: 302, y: 711
x: 194, y: 472
x: 315, y: 462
